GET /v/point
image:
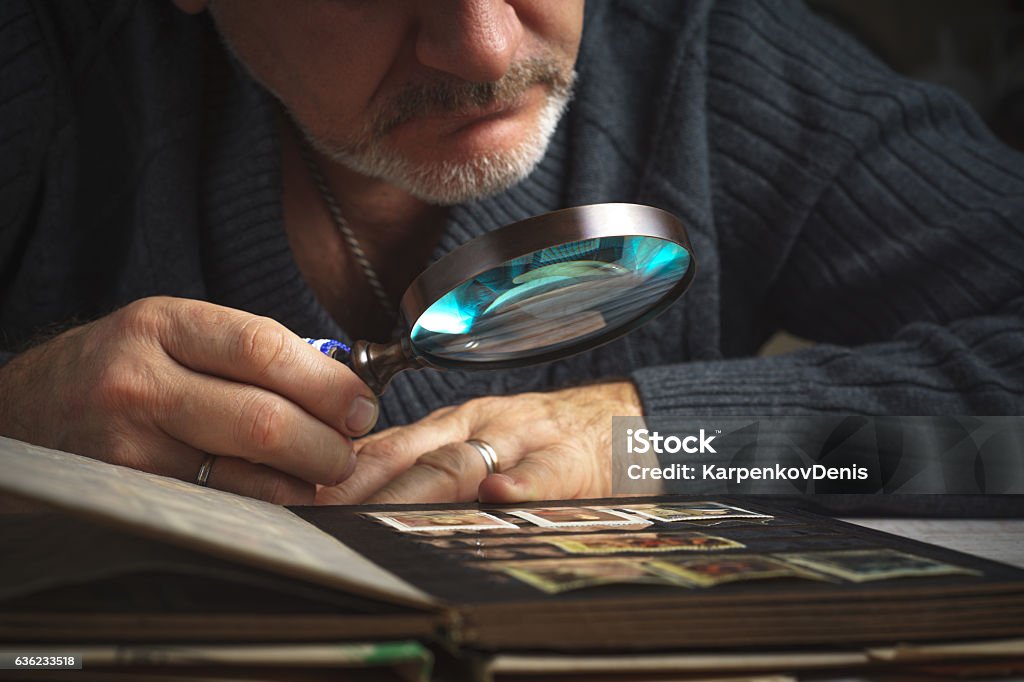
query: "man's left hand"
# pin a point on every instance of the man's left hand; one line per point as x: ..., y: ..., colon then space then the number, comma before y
x: 553, y: 445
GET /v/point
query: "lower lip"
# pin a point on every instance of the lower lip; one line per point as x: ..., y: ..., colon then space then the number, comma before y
x: 451, y: 124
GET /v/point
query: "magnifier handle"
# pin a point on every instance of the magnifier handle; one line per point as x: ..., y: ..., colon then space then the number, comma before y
x: 333, y: 349
x: 374, y: 363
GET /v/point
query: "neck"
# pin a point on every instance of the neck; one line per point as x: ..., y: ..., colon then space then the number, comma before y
x: 382, y: 214
x: 397, y: 231
x: 371, y: 202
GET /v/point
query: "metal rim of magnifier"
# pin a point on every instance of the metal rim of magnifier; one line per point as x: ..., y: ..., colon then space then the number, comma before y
x: 533, y: 234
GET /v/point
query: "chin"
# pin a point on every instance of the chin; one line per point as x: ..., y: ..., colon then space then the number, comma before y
x: 456, y: 182
x: 477, y: 160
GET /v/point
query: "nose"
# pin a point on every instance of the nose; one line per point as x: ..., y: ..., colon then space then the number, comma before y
x: 474, y: 40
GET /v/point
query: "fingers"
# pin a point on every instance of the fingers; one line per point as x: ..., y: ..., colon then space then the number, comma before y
x: 255, y: 425
x: 535, y: 477
x: 385, y: 455
x: 259, y: 351
x: 261, y: 482
x: 559, y: 471
x: 457, y: 473
x: 451, y: 473
x: 230, y: 474
x: 548, y: 448
x: 162, y: 380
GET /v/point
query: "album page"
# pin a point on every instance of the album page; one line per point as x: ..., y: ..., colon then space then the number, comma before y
x: 669, y: 572
x: 229, y: 526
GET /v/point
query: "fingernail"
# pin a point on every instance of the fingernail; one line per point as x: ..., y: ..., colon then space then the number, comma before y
x: 362, y: 415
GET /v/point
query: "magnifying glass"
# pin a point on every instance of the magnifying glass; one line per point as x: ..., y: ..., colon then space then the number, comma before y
x: 534, y: 291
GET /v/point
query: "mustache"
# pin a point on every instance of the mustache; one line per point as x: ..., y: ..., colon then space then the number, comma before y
x: 452, y: 96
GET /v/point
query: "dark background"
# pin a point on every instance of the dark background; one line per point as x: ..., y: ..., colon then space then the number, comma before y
x: 975, y: 47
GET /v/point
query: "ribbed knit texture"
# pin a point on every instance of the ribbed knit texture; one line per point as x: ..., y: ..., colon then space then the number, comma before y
x: 823, y: 195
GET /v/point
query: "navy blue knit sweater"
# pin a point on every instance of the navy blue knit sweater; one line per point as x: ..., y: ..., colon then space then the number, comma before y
x: 824, y: 195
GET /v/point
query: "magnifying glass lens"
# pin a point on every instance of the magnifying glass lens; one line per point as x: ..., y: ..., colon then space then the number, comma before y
x: 547, y: 299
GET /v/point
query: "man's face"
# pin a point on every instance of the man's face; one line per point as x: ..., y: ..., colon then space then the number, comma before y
x: 447, y: 99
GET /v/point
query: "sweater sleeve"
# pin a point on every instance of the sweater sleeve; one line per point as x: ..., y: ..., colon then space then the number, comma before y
x: 869, y: 213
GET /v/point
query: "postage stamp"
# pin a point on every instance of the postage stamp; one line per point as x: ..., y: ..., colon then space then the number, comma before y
x: 641, y: 542
x: 864, y: 565
x: 707, y: 571
x: 446, y: 519
x: 507, y: 553
x: 693, y: 511
x: 562, y: 575
x: 567, y: 517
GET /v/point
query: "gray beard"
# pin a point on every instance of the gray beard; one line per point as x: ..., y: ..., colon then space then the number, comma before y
x: 447, y: 183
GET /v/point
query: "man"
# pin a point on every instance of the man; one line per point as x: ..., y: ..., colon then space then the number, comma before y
x: 823, y: 195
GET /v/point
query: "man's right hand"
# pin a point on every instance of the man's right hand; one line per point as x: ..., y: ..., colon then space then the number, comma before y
x: 162, y: 382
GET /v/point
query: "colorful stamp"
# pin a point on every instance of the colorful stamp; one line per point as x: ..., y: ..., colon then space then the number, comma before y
x: 708, y: 571
x: 865, y: 565
x: 641, y: 542
x: 508, y: 553
x: 563, y: 575
x: 454, y: 519
x: 693, y: 511
x: 567, y: 517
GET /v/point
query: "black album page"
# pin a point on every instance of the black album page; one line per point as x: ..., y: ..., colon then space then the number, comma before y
x: 636, y: 568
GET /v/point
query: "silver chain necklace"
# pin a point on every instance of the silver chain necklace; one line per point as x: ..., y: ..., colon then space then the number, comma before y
x: 342, y: 226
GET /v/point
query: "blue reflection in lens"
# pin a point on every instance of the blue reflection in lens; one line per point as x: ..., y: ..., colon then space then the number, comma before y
x: 551, y: 297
